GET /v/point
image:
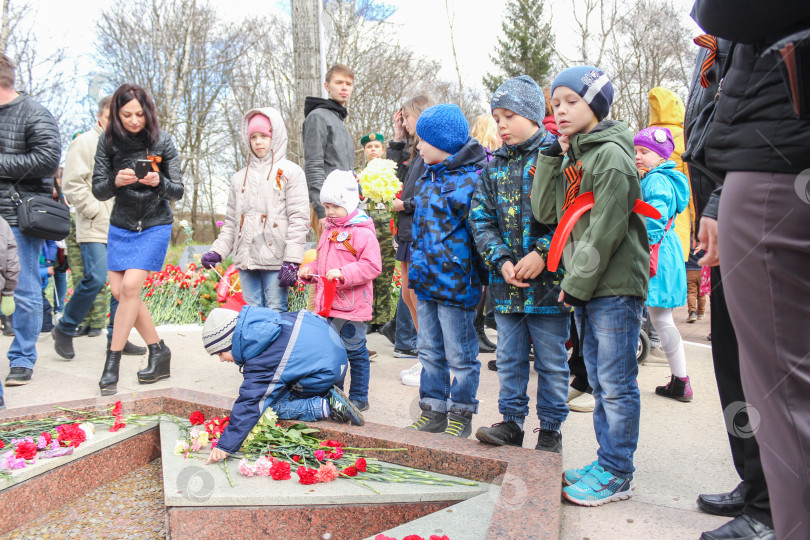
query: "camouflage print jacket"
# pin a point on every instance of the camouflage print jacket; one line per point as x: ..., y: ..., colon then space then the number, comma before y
x: 445, y: 266
x: 505, y: 230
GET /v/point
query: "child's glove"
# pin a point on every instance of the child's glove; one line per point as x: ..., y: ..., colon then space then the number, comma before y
x: 7, y: 305
x: 210, y: 259
x: 288, y: 274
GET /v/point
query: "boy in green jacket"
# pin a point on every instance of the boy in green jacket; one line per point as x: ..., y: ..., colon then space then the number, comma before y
x: 607, y: 268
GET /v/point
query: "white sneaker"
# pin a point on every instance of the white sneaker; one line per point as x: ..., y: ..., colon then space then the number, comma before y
x: 416, y: 368
x: 583, y: 403
x: 412, y: 379
x: 573, y: 393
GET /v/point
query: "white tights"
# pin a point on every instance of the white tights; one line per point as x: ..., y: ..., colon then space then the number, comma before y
x: 671, y: 342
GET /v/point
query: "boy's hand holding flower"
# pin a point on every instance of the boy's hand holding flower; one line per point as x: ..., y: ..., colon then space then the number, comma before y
x: 334, y: 274
x: 216, y: 455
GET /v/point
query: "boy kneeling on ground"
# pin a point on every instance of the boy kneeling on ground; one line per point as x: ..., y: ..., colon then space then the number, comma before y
x: 290, y: 362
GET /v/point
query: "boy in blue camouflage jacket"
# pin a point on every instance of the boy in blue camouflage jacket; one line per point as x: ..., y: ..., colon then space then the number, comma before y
x: 445, y: 272
x: 514, y: 246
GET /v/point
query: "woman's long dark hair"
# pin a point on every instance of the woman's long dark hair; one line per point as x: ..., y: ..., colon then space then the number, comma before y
x: 116, y: 132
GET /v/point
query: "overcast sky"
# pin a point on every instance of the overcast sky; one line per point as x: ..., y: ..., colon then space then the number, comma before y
x: 421, y: 25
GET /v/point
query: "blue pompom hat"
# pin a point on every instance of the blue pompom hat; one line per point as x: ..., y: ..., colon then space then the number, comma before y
x: 443, y: 126
x: 593, y: 86
x: 521, y: 95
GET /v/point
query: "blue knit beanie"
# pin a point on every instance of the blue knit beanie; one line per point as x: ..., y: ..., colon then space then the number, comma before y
x: 443, y: 126
x: 521, y: 95
x: 591, y: 84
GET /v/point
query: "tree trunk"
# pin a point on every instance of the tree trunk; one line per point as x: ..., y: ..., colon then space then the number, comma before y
x: 306, y: 50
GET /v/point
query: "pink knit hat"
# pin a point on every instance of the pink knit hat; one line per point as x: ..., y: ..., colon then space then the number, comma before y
x: 259, y: 123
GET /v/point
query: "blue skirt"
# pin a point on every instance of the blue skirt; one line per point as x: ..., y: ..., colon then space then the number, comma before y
x: 145, y: 250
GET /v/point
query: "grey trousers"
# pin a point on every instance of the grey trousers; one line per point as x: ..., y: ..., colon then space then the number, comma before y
x: 764, y: 241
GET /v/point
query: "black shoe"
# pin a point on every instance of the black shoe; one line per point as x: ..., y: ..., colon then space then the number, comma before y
x: 63, y: 344
x: 19, y: 376
x: 403, y: 353
x: 729, y: 504
x: 490, y: 323
x: 157, y: 365
x: 502, y: 434
x: 93, y: 332
x: 373, y: 328
x: 389, y: 330
x: 459, y: 423
x: 491, y: 366
x: 342, y: 409
x: 742, y: 527
x: 5, y: 322
x: 130, y: 349
x: 361, y: 405
x: 549, y: 441
x: 430, y: 421
x: 2, y: 403
x: 81, y: 331
x: 109, y: 378
x: 484, y: 344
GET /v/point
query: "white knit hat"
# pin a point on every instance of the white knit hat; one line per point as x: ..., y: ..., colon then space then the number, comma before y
x: 340, y: 188
x: 218, y: 330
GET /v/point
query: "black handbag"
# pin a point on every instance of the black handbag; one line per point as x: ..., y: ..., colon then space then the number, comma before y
x: 42, y: 217
x: 695, y: 152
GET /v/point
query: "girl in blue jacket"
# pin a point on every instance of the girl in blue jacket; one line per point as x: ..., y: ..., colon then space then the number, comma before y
x: 667, y: 189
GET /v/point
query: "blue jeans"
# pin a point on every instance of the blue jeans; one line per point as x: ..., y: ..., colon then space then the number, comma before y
x: 27, y: 317
x: 59, y: 290
x: 548, y: 333
x: 610, y: 326
x: 94, y: 257
x: 353, y: 336
x: 260, y: 288
x: 447, y: 341
x: 290, y: 407
x: 405, y: 337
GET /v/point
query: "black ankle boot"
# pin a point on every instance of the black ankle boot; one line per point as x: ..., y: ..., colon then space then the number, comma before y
x: 109, y: 379
x: 484, y: 344
x: 157, y: 366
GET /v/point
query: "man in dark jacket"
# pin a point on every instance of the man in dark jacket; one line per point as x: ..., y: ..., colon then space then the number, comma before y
x: 759, y: 140
x: 328, y: 145
x: 750, y: 497
x: 29, y: 154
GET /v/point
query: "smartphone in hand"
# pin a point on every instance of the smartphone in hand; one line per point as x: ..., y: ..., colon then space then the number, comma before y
x: 142, y: 168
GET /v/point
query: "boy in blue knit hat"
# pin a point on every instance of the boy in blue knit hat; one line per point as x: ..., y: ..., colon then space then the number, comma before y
x: 591, y: 166
x: 445, y: 272
x: 525, y: 294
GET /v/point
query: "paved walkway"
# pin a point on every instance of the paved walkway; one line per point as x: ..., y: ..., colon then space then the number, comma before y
x: 683, y: 449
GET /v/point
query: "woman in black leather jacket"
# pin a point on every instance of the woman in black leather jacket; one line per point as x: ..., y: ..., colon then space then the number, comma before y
x: 140, y: 223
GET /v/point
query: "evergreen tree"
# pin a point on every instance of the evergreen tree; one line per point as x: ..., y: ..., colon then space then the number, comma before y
x: 526, y: 46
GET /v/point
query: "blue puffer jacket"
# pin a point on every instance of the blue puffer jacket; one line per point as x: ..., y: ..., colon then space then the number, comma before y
x: 667, y: 189
x: 505, y: 229
x: 280, y: 352
x: 445, y: 266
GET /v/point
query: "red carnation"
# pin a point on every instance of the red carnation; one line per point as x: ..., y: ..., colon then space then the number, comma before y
x: 45, y: 435
x: 118, y: 424
x: 70, y: 435
x: 360, y: 464
x: 350, y: 471
x: 333, y: 444
x: 196, y: 418
x: 2, y: 445
x: 296, y: 458
x: 437, y: 537
x: 306, y: 476
x: 413, y: 537
x: 117, y: 409
x: 26, y: 450
x: 336, y: 454
x: 280, y: 470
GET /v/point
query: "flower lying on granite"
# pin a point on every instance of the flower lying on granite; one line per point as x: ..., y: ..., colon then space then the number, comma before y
x: 306, y: 476
x: 245, y: 469
x: 117, y: 409
x: 196, y: 418
x: 26, y: 450
x: 280, y: 470
x: 119, y: 423
x: 411, y: 537
x: 262, y: 466
x: 70, y: 435
x: 327, y: 472
x: 10, y: 462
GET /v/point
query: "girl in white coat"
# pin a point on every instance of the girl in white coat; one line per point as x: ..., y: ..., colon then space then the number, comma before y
x: 268, y: 214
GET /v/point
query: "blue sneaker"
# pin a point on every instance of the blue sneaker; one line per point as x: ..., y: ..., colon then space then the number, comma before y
x: 572, y: 476
x: 341, y: 409
x: 599, y: 487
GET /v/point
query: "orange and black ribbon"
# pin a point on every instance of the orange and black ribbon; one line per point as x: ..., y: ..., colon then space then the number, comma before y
x: 573, y: 177
x: 707, y: 42
x: 155, y: 160
x: 345, y: 242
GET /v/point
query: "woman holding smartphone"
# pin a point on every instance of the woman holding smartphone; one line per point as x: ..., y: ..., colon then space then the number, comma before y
x: 137, y: 164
